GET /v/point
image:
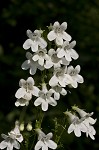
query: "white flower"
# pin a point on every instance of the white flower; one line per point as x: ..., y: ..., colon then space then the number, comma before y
x: 35, y: 40
x: 58, y: 33
x: 85, y: 116
x: 22, y: 102
x: 54, y: 60
x: 91, y: 132
x: 74, y: 73
x: 31, y: 64
x: 60, y: 77
x: 12, y: 139
x: 87, y: 120
x: 44, y: 141
x: 76, y: 125
x: 25, y: 92
x: 40, y: 56
x: 45, y: 98
x: 57, y: 90
x: 67, y: 51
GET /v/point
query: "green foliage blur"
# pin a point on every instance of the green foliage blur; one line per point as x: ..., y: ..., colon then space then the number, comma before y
x: 82, y: 17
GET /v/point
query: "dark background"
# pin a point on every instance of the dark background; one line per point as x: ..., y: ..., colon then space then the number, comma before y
x: 82, y: 17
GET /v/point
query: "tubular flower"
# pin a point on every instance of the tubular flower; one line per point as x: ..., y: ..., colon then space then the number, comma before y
x: 76, y: 77
x: 26, y: 90
x: 54, y: 60
x: 57, y: 90
x: 60, y: 77
x: 44, y: 141
x: 58, y: 33
x: 88, y: 121
x: 12, y: 139
x: 45, y: 98
x: 35, y: 40
x: 67, y: 51
x: 75, y: 124
x: 31, y: 64
x: 40, y: 56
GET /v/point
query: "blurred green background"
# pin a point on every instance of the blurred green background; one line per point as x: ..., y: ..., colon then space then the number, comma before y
x: 82, y: 17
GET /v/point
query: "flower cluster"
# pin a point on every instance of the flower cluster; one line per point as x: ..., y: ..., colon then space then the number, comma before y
x: 56, y: 59
x: 51, y: 55
x: 12, y: 139
x: 82, y: 124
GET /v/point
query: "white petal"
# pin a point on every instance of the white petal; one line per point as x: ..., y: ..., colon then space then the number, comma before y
x: 91, y: 136
x: 41, y: 61
x: 20, y: 93
x: 44, y: 147
x: 38, y: 101
x: 35, y: 91
x: 28, y: 55
x: 62, y: 81
x: 35, y: 57
x: 27, y: 44
x: 38, y: 145
x: 61, y: 53
x: 34, y: 46
x: 4, y: 136
x: 22, y: 83
x: 48, y: 64
x: 3, y: 145
x: 51, y: 101
x: 77, y: 69
x: 51, y: 36
x: 63, y: 91
x: 64, y: 25
x: 30, y: 81
x: 72, y: 44
x: 70, y: 69
x: 79, y: 78
x: 92, y: 130
x: 71, y: 128
x: 67, y: 56
x: 27, y: 96
x: 83, y: 128
x: 42, y: 43
x: 9, y: 146
x: 25, y: 65
x: 74, y: 84
x: 49, y: 135
x: 66, y: 36
x: 40, y: 67
x: 44, y: 105
x: 77, y: 131
x: 33, y: 70
x: 16, y: 144
x: 56, y: 96
x: 65, y: 62
x: 20, y: 139
x: 51, y: 52
x: 68, y: 79
x: 91, y: 120
x: 59, y: 40
x: 51, y: 144
x: 74, y: 54
x: 21, y: 102
x: 56, y: 23
x: 53, y: 81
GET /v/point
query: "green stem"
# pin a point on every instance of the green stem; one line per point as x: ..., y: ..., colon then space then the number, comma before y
x: 61, y: 134
x: 32, y: 145
x: 22, y: 115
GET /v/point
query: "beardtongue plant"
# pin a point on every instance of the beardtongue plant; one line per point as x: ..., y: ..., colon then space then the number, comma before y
x: 50, y: 54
